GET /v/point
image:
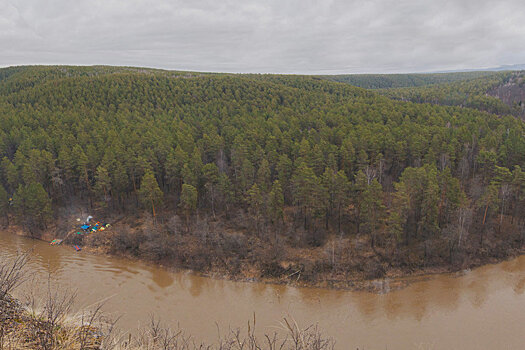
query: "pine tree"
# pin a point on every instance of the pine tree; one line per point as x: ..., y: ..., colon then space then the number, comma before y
x: 518, y: 189
x: 306, y: 186
x: 211, y: 179
x: 226, y: 192
x: 150, y: 194
x: 196, y: 166
x: 119, y: 178
x: 80, y: 166
x: 284, y: 175
x: 372, y: 209
x: 4, y: 204
x: 416, y: 202
x: 103, y: 184
x: 32, y: 206
x: 255, y: 203
x: 10, y: 174
x: 188, y: 201
x: 174, y: 165
x: 276, y: 203
x: 348, y: 158
x: 264, y: 176
x: 502, y: 179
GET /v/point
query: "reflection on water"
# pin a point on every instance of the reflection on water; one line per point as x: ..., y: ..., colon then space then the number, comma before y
x: 480, y: 309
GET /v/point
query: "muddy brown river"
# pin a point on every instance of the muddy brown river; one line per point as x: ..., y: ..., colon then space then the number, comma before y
x: 479, y: 309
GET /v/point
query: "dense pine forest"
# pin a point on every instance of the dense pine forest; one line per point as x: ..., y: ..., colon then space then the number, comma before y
x: 389, y: 81
x: 498, y: 93
x: 284, y: 173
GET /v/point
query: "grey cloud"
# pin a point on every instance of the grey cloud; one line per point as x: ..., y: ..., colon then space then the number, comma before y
x: 285, y: 36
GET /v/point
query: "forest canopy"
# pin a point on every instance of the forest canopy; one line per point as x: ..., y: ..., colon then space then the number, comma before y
x: 390, y: 81
x: 316, y: 155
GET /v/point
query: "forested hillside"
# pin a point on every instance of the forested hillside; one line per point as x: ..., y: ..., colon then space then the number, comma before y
x: 293, y: 160
x: 389, y: 81
x: 495, y: 93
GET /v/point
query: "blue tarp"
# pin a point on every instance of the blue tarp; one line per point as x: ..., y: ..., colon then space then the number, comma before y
x: 84, y: 227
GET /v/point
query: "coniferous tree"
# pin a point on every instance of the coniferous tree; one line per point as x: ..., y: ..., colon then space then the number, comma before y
x: 372, y: 209
x: 10, y: 174
x: 33, y: 206
x: 211, y: 178
x: 150, y: 194
x: 255, y: 203
x: 188, y: 201
x: 4, y: 204
x: 103, y: 184
x: 305, y: 189
x: 276, y: 203
x: 264, y: 176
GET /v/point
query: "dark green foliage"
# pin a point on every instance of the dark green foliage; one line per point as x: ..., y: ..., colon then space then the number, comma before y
x: 479, y: 93
x: 276, y: 203
x: 149, y: 193
x: 4, y: 202
x: 416, y: 203
x: 188, y: 199
x: 389, y: 81
x: 32, y: 205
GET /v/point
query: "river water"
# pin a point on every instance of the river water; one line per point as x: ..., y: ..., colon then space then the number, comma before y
x: 479, y: 309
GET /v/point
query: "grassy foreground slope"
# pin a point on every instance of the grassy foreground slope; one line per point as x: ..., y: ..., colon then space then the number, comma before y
x: 259, y: 175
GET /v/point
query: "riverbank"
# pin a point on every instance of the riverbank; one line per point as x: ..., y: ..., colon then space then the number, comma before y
x: 489, y: 297
x: 340, y: 263
x: 393, y: 280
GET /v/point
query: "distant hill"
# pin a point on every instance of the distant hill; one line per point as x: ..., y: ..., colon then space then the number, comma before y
x: 498, y: 93
x: 501, y: 91
x: 388, y: 81
x: 508, y: 67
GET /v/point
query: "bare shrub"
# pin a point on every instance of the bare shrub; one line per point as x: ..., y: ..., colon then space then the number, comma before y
x: 288, y: 337
x: 373, y: 269
x: 49, y: 311
x: 155, y: 245
x: 122, y: 241
x: 12, y: 273
x: 174, y: 225
x: 235, y: 244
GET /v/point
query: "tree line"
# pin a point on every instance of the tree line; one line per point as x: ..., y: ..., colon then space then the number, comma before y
x: 392, y: 81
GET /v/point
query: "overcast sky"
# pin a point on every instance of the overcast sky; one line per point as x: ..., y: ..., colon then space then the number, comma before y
x: 284, y: 36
